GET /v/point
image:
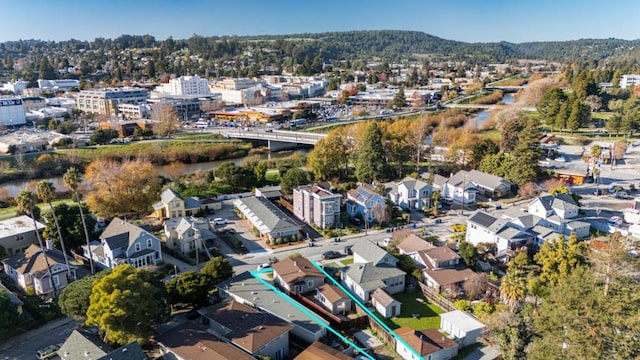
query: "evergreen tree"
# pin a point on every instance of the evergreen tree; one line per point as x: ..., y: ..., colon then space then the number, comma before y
x: 46, y: 70
x: 399, y: 101
x: 526, y: 154
x: 372, y: 163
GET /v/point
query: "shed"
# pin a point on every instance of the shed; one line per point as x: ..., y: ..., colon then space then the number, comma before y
x: 465, y: 328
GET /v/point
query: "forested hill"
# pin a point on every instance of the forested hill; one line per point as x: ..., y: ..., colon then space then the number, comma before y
x: 391, y: 45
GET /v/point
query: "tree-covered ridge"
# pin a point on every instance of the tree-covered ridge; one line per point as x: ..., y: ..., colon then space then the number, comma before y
x: 386, y: 44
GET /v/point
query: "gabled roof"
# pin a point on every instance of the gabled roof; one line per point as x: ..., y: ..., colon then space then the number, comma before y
x: 425, y: 342
x: 370, y: 276
x: 447, y: 276
x: 439, y: 254
x: 121, y: 234
x: 483, y: 219
x: 32, y: 261
x: 557, y: 201
x: 168, y: 195
x: 487, y: 181
x: 81, y: 342
x: 320, y: 351
x: 131, y: 351
x: 362, y: 194
x: 247, y: 327
x: 382, y: 297
x: 244, y: 286
x: 438, y: 180
x: 511, y: 233
x: 332, y: 293
x: 411, y: 183
x: 369, y: 251
x: 295, y: 270
x: 413, y: 243
x: 526, y: 221
x: 271, y: 216
x: 191, y: 341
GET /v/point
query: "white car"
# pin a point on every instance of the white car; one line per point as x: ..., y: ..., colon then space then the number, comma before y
x: 220, y: 221
x: 264, y: 266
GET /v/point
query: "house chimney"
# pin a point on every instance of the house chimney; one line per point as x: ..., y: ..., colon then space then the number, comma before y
x: 48, y: 244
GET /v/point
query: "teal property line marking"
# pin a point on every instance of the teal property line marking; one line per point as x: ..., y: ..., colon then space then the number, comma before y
x: 369, y: 312
x: 313, y: 316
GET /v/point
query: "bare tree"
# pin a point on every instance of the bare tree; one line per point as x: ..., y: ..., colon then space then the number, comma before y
x: 381, y: 212
x: 476, y: 286
x: 174, y: 170
x: 167, y: 120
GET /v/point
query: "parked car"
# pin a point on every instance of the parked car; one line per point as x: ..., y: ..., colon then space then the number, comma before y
x: 331, y: 255
x: 264, y: 266
x: 48, y: 352
x: 220, y: 221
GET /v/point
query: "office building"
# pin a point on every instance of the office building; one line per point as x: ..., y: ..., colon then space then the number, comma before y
x: 105, y: 101
x: 11, y: 112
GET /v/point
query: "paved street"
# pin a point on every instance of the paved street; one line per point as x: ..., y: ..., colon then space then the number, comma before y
x: 24, y: 347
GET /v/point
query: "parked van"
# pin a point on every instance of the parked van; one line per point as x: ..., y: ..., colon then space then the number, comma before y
x: 49, y: 352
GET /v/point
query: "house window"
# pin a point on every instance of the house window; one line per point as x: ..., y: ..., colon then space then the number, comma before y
x: 19, y: 237
x: 56, y: 280
x: 310, y: 283
x: 148, y: 243
x: 137, y: 247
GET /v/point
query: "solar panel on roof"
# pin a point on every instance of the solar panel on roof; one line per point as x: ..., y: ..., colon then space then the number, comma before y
x: 483, y: 219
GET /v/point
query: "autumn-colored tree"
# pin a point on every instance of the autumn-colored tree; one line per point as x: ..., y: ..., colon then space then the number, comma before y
x: 174, y: 170
x: 167, y: 120
x: 122, y: 188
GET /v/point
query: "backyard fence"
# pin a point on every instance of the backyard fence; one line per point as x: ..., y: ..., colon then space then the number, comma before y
x: 435, y: 297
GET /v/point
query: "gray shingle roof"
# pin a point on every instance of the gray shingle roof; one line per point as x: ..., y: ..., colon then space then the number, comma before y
x: 80, y: 342
x: 382, y: 297
x: 370, y: 276
x: 132, y: 351
x: 121, y: 234
x: 270, y: 215
x: 369, y: 251
x: 487, y: 181
x: 169, y: 195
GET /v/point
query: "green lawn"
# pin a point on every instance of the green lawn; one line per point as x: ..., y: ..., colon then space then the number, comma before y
x: 491, y: 134
x: 346, y: 262
x: 429, y: 313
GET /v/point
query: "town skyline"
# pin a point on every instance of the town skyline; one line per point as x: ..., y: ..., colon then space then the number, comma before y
x: 467, y: 21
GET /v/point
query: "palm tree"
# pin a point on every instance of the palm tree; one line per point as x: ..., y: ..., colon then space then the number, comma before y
x: 46, y: 192
x: 26, y: 205
x: 436, y: 196
x: 72, y: 180
x: 513, y: 289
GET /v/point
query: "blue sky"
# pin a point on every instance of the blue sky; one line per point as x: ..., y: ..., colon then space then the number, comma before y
x: 463, y: 20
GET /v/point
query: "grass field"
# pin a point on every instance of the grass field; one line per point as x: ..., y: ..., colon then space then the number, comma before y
x: 429, y: 313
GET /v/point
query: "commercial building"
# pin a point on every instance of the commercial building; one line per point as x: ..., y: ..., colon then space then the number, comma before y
x: 629, y: 80
x: 15, y: 87
x: 62, y: 84
x: 185, y: 85
x: 105, y: 101
x: 11, y: 111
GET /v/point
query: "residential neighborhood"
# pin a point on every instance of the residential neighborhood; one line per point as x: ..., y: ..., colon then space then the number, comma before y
x: 254, y: 189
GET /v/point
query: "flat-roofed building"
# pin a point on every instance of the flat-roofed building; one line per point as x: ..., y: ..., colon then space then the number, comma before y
x: 12, y: 112
x: 317, y: 205
x: 105, y: 101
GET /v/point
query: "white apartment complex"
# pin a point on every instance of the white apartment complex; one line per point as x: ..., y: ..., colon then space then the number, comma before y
x: 186, y: 85
x: 629, y: 80
x: 11, y: 111
x: 62, y: 84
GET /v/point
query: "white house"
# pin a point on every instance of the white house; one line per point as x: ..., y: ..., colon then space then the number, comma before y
x: 333, y: 299
x: 424, y: 344
x: 485, y: 228
x: 124, y: 243
x: 559, y: 212
x: 410, y: 193
x: 385, y: 304
x: 465, y: 328
x: 456, y: 188
x: 185, y: 234
x: 30, y: 270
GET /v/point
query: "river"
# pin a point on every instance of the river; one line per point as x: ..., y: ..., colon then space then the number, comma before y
x: 14, y: 187
x: 483, y: 115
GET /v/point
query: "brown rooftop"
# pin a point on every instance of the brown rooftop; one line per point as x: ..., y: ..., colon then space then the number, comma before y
x: 426, y: 341
x: 249, y: 328
x: 191, y: 341
x: 332, y: 293
x: 413, y: 243
x: 320, y: 351
x: 294, y: 270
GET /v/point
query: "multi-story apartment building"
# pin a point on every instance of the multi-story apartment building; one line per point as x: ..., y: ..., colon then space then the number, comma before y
x: 314, y: 204
x: 11, y: 111
x: 629, y: 80
x: 186, y: 85
x: 105, y: 101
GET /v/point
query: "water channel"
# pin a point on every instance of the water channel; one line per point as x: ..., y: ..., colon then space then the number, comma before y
x: 14, y: 187
x: 483, y: 115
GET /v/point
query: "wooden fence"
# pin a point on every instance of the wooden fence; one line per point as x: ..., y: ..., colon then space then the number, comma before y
x: 335, y: 321
x: 435, y: 297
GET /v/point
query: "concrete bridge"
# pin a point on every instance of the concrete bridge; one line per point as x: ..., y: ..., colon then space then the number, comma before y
x: 514, y: 88
x: 276, y: 139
